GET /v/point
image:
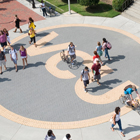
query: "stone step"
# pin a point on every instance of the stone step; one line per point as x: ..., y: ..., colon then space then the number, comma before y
x: 134, y: 10
x: 133, y: 14
x: 138, y: 2
x: 135, y: 7
x: 131, y: 17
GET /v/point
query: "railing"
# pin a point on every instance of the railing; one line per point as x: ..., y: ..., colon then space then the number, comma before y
x: 126, y: 4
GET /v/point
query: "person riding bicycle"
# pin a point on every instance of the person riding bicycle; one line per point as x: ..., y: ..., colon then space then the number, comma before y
x: 71, y: 52
x: 129, y: 89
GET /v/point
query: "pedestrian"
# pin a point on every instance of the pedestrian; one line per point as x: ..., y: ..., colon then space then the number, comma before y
x: 50, y: 135
x: 105, y: 48
x: 43, y: 8
x: 3, y: 40
x: 31, y: 23
x: 14, y: 57
x: 85, y: 77
x: 67, y: 137
x: 7, y: 34
x: 32, y: 36
x: 99, y: 49
x: 23, y: 54
x: 96, y: 56
x: 17, y: 23
x: 129, y: 89
x: 95, y: 69
x: 2, y: 61
x: 116, y: 119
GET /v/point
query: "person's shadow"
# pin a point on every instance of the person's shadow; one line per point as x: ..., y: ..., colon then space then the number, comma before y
x: 104, y: 85
x: 30, y: 65
x: 131, y: 128
x: 4, y: 79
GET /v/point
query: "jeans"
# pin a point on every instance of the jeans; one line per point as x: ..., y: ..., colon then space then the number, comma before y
x: 44, y: 12
x: 106, y: 53
x: 119, y: 124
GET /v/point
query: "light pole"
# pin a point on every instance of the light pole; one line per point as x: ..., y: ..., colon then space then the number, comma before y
x: 69, y: 6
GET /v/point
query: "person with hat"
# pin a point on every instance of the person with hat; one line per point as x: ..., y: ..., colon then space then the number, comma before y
x: 129, y: 89
x: 95, y: 69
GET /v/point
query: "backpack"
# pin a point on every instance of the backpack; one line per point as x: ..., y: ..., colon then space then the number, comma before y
x: 83, y: 73
x: 109, y: 46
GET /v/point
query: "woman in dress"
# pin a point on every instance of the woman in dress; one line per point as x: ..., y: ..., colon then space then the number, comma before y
x: 23, y: 54
x: 99, y: 49
x: 7, y: 34
x: 17, y: 23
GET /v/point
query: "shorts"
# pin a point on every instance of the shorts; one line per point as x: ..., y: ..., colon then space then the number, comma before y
x: 15, y: 61
x: 2, y: 62
x: 73, y: 56
x: 86, y: 83
x: 97, y: 77
x: 23, y: 57
x: 33, y: 39
x: 4, y: 44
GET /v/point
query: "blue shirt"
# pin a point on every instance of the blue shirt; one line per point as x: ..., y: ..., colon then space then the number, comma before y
x: 99, y: 48
x: 129, y: 91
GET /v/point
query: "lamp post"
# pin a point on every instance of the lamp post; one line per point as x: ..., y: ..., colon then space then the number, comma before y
x: 69, y: 6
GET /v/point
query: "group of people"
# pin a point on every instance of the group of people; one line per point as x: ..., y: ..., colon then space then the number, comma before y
x: 50, y: 136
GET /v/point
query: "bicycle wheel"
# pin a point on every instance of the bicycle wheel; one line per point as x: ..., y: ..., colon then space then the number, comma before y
x: 122, y: 99
x: 62, y: 56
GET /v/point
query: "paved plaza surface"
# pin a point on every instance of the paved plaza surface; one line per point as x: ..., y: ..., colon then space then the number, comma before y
x: 48, y: 94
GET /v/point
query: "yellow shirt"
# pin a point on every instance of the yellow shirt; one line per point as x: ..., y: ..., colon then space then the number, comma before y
x: 32, y: 25
x: 32, y: 35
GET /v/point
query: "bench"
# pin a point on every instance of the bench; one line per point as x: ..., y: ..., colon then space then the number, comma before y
x: 50, y: 9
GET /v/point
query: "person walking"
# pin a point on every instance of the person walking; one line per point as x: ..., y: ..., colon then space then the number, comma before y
x: 31, y: 23
x: 2, y: 61
x: 14, y: 57
x: 129, y: 89
x: 23, y: 54
x: 85, y: 77
x: 3, y: 40
x: 96, y: 56
x: 95, y: 69
x: 99, y: 49
x: 43, y: 8
x: 67, y: 137
x: 116, y: 119
x: 105, y: 48
x: 32, y: 36
x: 50, y: 135
x: 7, y: 34
x: 17, y: 24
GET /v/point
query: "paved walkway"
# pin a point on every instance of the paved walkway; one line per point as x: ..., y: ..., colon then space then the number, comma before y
x: 130, y: 120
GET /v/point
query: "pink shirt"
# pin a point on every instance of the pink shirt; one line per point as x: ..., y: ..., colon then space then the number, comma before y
x: 3, y: 38
x: 104, y: 45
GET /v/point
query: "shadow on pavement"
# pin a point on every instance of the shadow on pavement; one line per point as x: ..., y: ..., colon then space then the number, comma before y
x: 104, y: 85
x: 114, y: 59
x: 131, y: 128
x: 4, y: 79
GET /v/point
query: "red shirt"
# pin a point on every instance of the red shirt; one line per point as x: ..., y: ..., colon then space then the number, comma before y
x: 96, y: 68
x: 95, y: 56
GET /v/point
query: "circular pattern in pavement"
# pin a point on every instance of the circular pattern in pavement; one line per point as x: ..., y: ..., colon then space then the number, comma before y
x: 46, y: 93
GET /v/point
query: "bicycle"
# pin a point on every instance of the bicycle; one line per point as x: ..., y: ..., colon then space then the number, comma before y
x: 67, y: 58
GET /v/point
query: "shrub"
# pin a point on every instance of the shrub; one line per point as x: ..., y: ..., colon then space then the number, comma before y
x: 117, y: 4
x: 88, y: 2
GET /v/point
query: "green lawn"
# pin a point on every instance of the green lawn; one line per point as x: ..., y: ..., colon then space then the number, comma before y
x: 102, y: 9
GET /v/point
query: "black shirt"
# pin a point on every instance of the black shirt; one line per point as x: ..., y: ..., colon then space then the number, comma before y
x: 2, y: 55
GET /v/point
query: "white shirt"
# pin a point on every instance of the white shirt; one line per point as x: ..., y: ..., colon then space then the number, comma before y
x: 13, y: 53
x: 71, y: 50
x: 117, y: 117
x: 43, y: 5
x: 65, y: 138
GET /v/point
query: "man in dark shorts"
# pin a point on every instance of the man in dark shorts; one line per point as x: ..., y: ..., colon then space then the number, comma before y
x: 85, y: 77
x: 96, y: 70
x: 2, y: 61
x: 71, y: 52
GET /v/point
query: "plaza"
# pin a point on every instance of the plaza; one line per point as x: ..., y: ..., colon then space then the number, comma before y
x: 49, y: 95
